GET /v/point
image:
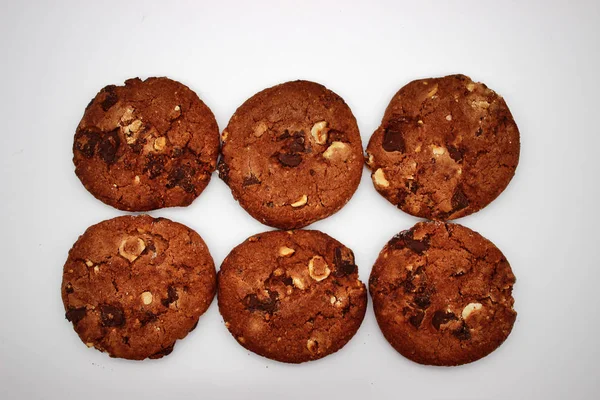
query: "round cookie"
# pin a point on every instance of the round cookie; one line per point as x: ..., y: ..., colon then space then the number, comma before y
x: 146, y: 145
x: 442, y: 294
x: 291, y: 296
x: 446, y: 148
x: 292, y: 154
x: 133, y: 285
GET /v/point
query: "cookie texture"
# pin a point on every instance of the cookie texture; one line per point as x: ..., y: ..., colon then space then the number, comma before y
x: 446, y: 148
x: 442, y: 294
x: 291, y: 296
x: 133, y: 285
x: 146, y: 145
x: 292, y: 154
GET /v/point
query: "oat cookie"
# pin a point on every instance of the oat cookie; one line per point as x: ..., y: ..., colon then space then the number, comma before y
x: 292, y: 154
x: 446, y: 148
x: 442, y: 294
x: 291, y: 296
x: 133, y: 285
x: 146, y: 145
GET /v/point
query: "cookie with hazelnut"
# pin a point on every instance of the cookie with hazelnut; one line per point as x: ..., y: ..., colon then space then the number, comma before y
x: 133, y: 285
x: 291, y: 296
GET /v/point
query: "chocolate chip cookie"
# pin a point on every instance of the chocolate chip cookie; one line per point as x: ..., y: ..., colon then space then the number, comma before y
x: 442, y: 294
x: 132, y: 285
x: 146, y: 145
x: 292, y: 154
x: 291, y: 296
x: 446, y: 148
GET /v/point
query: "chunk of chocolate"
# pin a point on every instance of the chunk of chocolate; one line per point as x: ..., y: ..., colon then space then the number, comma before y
x: 442, y: 317
x: 405, y: 240
x: 112, y: 316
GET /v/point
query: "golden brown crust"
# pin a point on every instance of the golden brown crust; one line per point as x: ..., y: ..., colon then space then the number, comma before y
x: 445, y: 148
x: 292, y: 154
x: 442, y: 294
x: 291, y: 296
x: 146, y: 145
x: 133, y: 285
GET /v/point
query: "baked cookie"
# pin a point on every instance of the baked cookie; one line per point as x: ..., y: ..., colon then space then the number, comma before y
x: 146, y: 145
x: 133, y: 285
x: 292, y: 154
x: 291, y: 296
x: 446, y: 148
x: 442, y: 294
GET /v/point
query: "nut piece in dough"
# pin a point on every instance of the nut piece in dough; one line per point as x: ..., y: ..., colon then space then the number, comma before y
x: 312, y: 346
x: 470, y: 308
x: 286, y: 251
x: 337, y: 149
x: 300, y: 202
x: 319, y: 132
x: 318, y: 268
x: 160, y: 143
x: 260, y: 129
x: 146, y: 298
x: 131, y: 247
x: 379, y: 178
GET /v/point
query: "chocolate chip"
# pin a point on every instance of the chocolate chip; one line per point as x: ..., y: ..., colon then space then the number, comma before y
x: 462, y: 333
x: 172, y: 296
x: 296, y: 147
x: 393, y: 138
x: 86, y: 142
x: 111, y: 315
x: 412, y: 185
x: 343, y: 267
x: 456, y: 153
x: 284, y: 135
x: 75, y: 314
x: 182, y: 176
x: 459, y: 199
x: 334, y: 135
x: 108, y: 147
x: 250, y: 180
x: 164, y: 352
x: 126, y: 339
x: 147, y: 317
x: 69, y: 288
x: 155, y: 165
x: 423, y: 301
x: 405, y: 240
x: 269, y: 305
x: 408, y: 285
x: 442, y: 317
x: 289, y: 160
x: 288, y: 281
x: 110, y: 99
x: 415, y: 320
x: 223, y: 171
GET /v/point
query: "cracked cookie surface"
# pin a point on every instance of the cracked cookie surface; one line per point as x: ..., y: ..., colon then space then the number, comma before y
x: 442, y: 294
x: 446, y: 148
x: 291, y: 296
x: 146, y: 145
x: 292, y: 154
x: 133, y: 285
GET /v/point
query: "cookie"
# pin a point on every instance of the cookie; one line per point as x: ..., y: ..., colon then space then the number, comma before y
x: 446, y: 148
x: 291, y: 296
x: 442, y: 294
x: 146, y: 145
x: 133, y: 285
x: 292, y: 154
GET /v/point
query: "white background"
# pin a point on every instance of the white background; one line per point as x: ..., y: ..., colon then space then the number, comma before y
x: 542, y: 56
